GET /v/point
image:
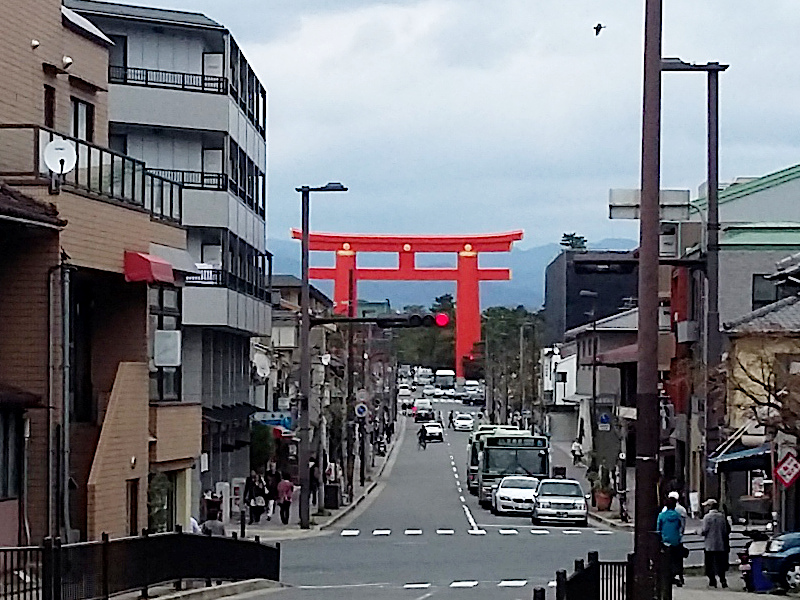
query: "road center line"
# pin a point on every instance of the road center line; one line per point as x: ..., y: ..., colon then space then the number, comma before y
x: 515, y: 583
x: 463, y: 584
x: 413, y: 532
x: 462, y: 498
x: 445, y: 532
x: 350, y: 532
x: 416, y: 586
x: 382, y: 532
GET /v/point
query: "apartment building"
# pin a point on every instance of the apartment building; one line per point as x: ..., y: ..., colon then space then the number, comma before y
x: 208, y: 134
x: 90, y: 275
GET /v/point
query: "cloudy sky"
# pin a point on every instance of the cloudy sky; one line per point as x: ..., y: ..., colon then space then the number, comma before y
x: 480, y: 116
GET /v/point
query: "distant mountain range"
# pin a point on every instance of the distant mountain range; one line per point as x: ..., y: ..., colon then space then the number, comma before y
x: 526, y: 286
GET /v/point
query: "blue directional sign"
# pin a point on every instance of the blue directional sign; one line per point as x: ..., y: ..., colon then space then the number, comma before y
x: 362, y: 410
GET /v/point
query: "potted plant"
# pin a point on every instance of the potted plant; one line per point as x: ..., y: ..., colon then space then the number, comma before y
x: 603, y: 490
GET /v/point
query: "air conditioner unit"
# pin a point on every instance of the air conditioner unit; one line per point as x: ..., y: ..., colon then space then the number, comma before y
x: 687, y: 332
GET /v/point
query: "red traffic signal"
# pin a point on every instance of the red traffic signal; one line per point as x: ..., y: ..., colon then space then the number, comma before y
x: 442, y: 319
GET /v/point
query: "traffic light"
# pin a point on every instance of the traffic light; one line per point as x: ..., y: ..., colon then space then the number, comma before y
x: 415, y: 320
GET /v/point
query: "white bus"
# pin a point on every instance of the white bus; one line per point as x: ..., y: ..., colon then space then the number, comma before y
x: 445, y: 379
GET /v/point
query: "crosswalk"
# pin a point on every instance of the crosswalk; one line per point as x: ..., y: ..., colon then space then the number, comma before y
x: 467, y: 584
x: 503, y: 531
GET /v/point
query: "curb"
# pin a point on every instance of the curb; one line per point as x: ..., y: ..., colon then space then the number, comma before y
x: 224, y: 590
x: 610, y: 522
x: 363, y: 494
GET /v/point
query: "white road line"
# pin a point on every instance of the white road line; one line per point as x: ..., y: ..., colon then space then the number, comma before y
x: 462, y: 498
x: 477, y: 532
x: 515, y: 583
x: 412, y: 532
x: 416, y: 586
x: 454, y: 469
x: 470, y: 518
x: 445, y: 531
x: 508, y: 532
x: 382, y: 532
x: 540, y: 531
x: 571, y: 532
x: 551, y: 583
x: 602, y: 532
x: 424, y: 596
x: 459, y: 489
x: 350, y: 532
x: 463, y: 584
x: 455, y: 475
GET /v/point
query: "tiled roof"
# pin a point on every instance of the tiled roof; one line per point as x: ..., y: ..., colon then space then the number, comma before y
x: 758, y: 184
x: 142, y: 13
x: 14, y: 203
x: 782, y: 316
x: 627, y: 320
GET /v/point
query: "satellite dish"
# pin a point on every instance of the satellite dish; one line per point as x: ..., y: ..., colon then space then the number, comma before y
x: 59, y: 156
x: 261, y: 361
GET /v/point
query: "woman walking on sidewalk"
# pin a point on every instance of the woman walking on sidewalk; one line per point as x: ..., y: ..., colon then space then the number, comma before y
x: 285, y: 492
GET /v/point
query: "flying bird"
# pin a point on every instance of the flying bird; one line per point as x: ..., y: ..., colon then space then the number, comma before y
x: 598, y: 28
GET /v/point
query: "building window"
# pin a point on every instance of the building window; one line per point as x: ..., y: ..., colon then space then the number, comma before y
x: 132, y: 505
x: 10, y: 456
x: 118, y: 142
x: 82, y: 120
x: 165, y: 315
x: 49, y: 106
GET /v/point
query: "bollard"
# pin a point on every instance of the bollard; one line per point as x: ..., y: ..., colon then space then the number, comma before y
x: 594, y: 557
x: 242, y: 533
x: 538, y: 594
x: 579, y: 565
x: 561, y: 585
x: 258, y: 539
x: 234, y: 535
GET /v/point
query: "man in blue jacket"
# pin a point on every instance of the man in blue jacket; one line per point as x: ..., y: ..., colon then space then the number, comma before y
x: 670, y: 527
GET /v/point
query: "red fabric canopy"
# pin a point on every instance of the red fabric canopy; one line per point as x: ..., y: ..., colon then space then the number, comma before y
x: 619, y: 356
x: 146, y: 267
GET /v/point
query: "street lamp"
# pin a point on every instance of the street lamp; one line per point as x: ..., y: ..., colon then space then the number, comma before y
x: 593, y: 406
x: 713, y: 349
x: 304, y: 453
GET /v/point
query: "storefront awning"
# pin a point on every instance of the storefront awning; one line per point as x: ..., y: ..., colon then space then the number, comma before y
x: 742, y: 460
x: 619, y: 356
x: 147, y: 267
x: 180, y: 259
x: 14, y: 397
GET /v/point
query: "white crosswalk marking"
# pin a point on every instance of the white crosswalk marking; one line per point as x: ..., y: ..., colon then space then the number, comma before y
x: 382, y: 532
x: 350, y: 532
x: 413, y: 532
x: 508, y: 532
x: 513, y: 583
x: 416, y: 586
x: 540, y: 531
x: 462, y: 498
x: 602, y: 532
x: 445, y: 532
x: 477, y: 532
x: 572, y: 532
x: 463, y: 584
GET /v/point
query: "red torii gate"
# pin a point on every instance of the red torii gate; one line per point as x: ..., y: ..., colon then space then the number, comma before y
x: 467, y: 274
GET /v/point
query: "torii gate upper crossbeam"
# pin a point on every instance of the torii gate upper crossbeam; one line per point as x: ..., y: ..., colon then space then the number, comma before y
x: 467, y: 274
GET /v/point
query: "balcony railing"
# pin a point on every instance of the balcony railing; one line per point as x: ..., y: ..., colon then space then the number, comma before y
x: 216, y: 277
x: 194, y: 179
x: 98, y: 173
x: 193, y: 82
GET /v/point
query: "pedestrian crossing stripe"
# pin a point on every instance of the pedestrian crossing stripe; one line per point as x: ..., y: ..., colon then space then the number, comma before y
x: 350, y: 532
x: 382, y: 532
x: 413, y: 532
x: 508, y: 532
x: 416, y: 586
x: 463, y: 584
x: 514, y: 583
x: 540, y: 531
x: 477, y: 532
x: 602, y: 532
x: 445, y: 531
x: 571, y: 532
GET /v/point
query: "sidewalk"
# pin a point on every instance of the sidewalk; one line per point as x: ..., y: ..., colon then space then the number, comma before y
x: 696, y: 588
x: 320, y: 519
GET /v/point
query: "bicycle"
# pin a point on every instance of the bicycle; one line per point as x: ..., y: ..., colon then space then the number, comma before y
x: 422, y: 443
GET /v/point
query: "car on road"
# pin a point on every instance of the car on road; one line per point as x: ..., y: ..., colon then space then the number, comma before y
x: 424, y: 415
x: 514, y: 494
x: 560, y: 500
x: 438, y: 392
x: 434, y: 432
x: 428, y: 391
x: 463, y: 422
x: 781, y: 561
x: 450, y: 393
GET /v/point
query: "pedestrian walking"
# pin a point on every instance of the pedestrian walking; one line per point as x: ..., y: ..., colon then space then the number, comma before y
x: 450, y: 420
x: 213, y: 525
x: 716, y: 543
x: 577, y: 452
x: 272, y: 480
x: 389, y: 431
x: 285, y: 492
x: 670, y: 526
x: 255, y: 496
x: 313, y: 479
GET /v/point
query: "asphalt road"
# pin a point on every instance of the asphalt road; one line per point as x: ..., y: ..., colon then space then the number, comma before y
x: 422, y: 535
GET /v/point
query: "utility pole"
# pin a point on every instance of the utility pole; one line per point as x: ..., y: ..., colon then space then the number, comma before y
x: 350, y: 407
x: 647, y: 405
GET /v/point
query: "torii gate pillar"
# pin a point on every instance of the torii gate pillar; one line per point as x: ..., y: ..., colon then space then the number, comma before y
x: 467, y: 275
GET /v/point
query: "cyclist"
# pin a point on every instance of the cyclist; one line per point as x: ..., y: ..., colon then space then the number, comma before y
x: 422, y: 437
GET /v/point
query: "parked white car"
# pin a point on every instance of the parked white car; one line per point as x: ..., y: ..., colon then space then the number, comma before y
x: 560, y: 500
x: 514, y: 494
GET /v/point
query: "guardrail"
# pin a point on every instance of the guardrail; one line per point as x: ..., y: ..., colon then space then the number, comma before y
x: 98, y: 173
x: 194, y: 179
x: 193, y: 82
x: 98, y: 570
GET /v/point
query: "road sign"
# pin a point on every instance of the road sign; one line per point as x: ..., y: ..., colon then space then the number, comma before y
x: 788, y: 470
x: 362, y: 410
x: 361, y: 395
x: 604, y: 423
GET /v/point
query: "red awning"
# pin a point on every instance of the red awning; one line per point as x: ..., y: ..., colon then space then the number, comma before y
x: 146, y: 267
x: 619, y: 356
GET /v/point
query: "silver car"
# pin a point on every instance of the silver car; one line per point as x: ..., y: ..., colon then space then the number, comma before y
x: 560, y: 500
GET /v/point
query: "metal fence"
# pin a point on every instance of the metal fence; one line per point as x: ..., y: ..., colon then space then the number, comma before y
x: 607, y: 580
x: 194, y: 179
x: 98, y: 570
x: 193, y: 82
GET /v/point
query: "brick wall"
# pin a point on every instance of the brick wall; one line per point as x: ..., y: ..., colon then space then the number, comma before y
x: 22, y: 92
x: 124, y: 437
